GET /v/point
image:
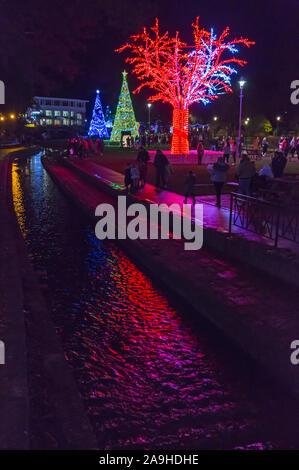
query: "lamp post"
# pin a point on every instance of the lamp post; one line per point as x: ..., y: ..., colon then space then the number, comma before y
x: 278, y: 118
x: 241, y: 83
x: 149, y: 105
x: 215, y: 119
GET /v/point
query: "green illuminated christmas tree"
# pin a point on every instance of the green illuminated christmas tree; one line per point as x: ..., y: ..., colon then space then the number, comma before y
x: 125, y: 117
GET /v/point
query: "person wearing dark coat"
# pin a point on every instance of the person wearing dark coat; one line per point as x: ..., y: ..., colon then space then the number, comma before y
x: 160, y: 163
x: 218, y: 177
x: 189, y: 185
x: 279, y: 162
x: 200, y: 152
x: 142, y: 159
x: 128, y: 180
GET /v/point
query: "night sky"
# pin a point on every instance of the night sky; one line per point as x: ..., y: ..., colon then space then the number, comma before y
x: 66, y: 49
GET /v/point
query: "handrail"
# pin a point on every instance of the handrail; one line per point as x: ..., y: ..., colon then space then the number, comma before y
x: 265, y: 218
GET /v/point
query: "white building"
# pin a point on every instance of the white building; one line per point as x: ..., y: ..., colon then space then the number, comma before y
x: 47, y: 111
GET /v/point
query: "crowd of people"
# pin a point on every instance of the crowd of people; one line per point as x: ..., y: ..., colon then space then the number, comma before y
x: 136, y: 173
x: 249, y: 179
x: 147, y: 140
x: 83, y: 146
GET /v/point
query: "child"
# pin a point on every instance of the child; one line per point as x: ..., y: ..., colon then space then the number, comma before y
x: 190, y: 183
x: 134, y: 177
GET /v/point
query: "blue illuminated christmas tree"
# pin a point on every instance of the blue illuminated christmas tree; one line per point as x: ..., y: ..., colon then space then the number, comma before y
x: 97, y: 124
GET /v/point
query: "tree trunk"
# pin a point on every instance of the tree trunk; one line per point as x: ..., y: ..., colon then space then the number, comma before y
x: 180, y: 142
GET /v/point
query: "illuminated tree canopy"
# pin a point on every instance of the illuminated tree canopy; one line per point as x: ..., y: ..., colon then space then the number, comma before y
x: 181, y: 74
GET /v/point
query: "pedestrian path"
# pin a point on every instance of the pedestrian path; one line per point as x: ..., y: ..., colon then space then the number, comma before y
x: 213, y: 217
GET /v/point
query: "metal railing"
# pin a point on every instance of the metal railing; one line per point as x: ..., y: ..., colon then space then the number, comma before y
x: 264, y: 218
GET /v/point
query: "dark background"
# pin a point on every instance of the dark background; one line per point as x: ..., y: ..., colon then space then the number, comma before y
x: 66, y: 49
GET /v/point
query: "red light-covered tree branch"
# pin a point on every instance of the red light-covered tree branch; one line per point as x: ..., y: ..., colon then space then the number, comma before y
x: 181, y: 74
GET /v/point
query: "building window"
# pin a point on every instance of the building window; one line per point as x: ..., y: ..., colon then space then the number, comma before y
x: 48, y: 112
x: 79, y: 116
x: 57, y: 113
x: 48, y: 102
x: 49, y: 122
x: 66, y: 122
x: 72, y: 114
x: 79, y: 122
x: 65, y: 103
x: 56, y: 103
x: 65, y: 113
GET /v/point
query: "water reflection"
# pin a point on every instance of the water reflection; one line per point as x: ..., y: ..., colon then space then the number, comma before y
x: 147, y: 380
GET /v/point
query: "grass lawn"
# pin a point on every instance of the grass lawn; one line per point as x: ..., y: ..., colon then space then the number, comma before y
x: 118, y: 159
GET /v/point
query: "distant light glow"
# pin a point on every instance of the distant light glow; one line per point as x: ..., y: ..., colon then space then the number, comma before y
x: 242, y: 83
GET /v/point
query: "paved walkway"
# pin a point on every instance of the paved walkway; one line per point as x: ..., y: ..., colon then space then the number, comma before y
x: 214, y: 217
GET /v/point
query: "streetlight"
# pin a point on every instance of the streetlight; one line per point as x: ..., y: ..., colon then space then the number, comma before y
x: 278, y: 118
x: 12, y: 116
x: 241, y: 83
x: 215, y: 118
x: 149, y: 105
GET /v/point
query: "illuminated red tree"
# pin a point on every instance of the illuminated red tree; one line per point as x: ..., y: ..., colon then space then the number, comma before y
x: 182, y: 74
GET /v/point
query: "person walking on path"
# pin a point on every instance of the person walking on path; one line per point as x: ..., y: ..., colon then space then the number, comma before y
x: 264, y: 146
x: 160, y: 163
x: 218, y: 176
x: 279, y: 162
x: 85, y: 148
x: 226, y: 151
x: 134, y: 178
x: 256, y: 144
x: 128, y: 180
x: 167, y: 172
x: 200, y: 152
x: 142, y: 159
x: 101, y: 147
x: 293, y: 146
x: 233, y: 149
x: 189, y: 185
x: 245, y: 172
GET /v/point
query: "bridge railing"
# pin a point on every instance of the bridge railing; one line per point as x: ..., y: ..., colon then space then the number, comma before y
x: 264, y: 218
